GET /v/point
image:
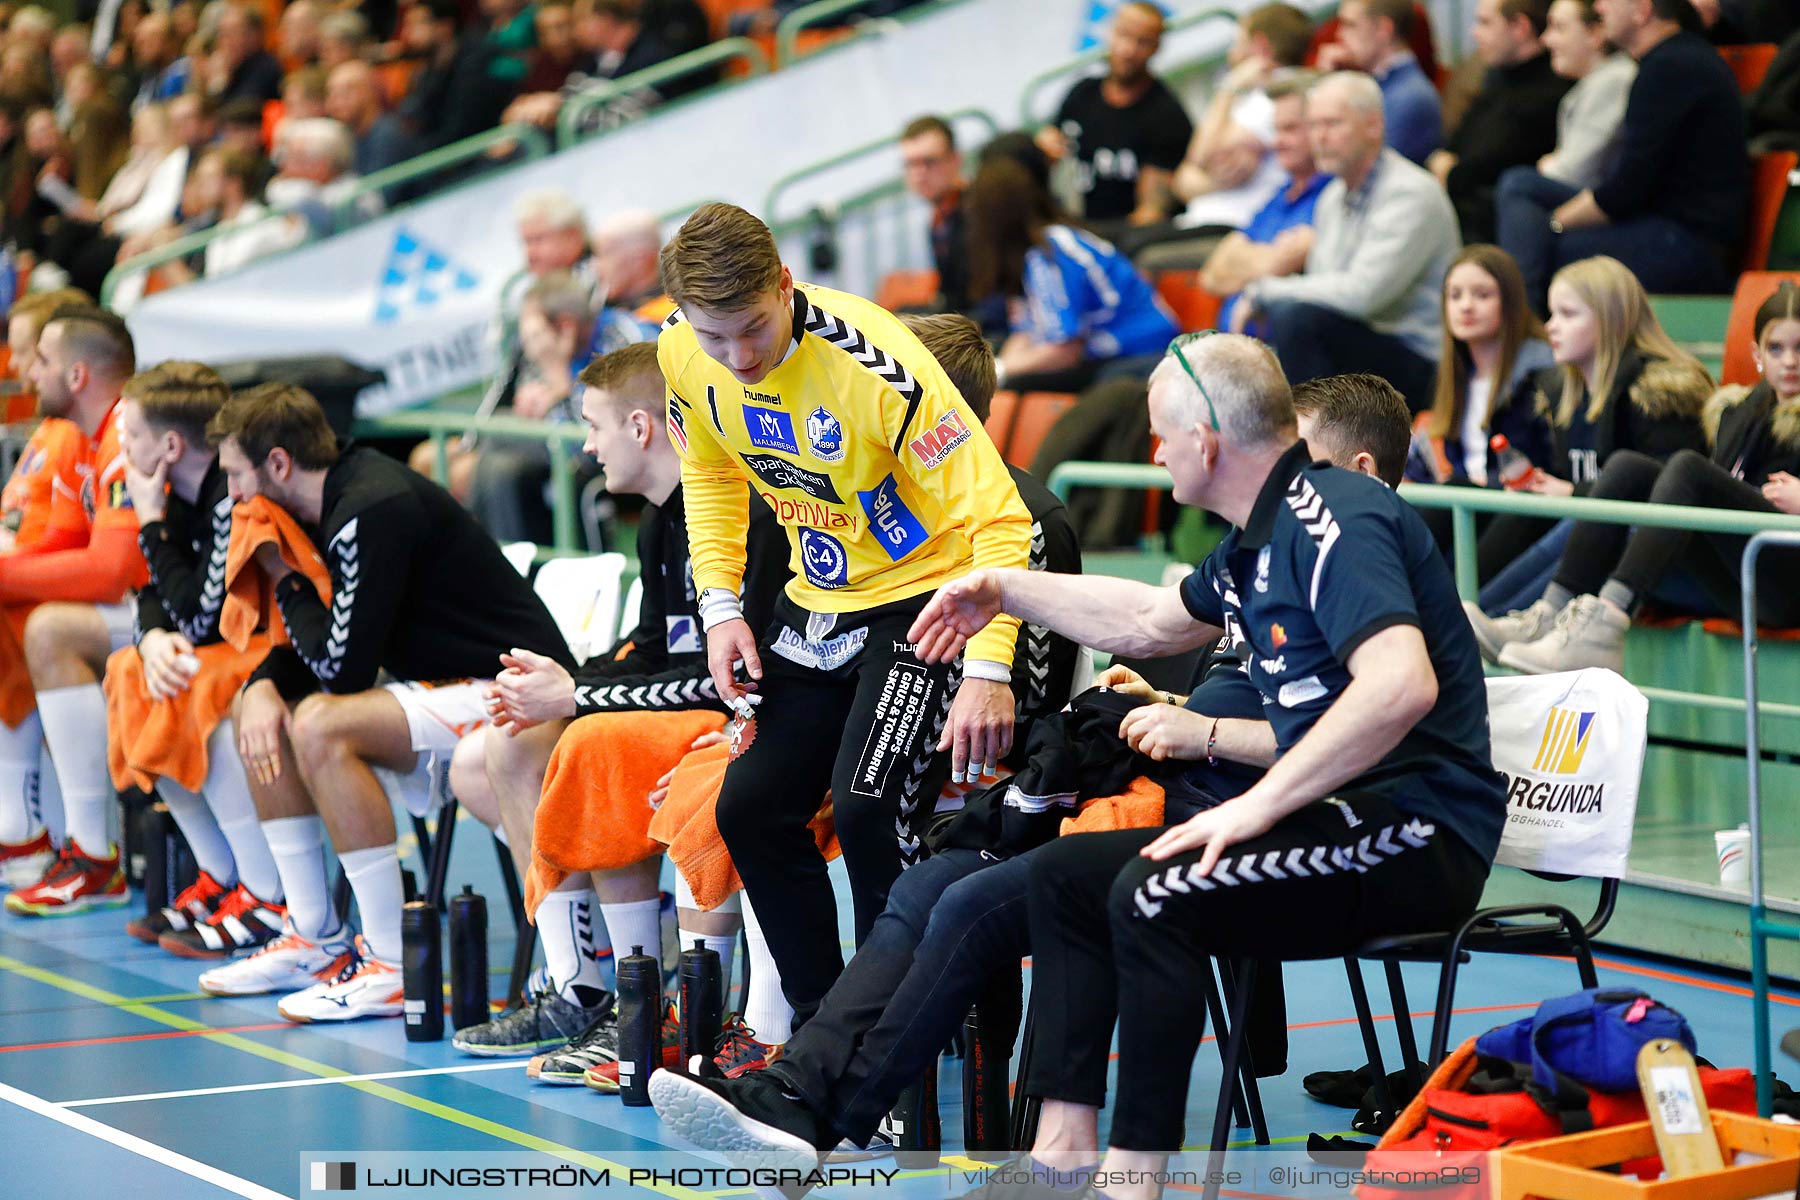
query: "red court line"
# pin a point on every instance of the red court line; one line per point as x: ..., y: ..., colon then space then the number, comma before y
x: 147, y: 1037
x: 1730, y: 989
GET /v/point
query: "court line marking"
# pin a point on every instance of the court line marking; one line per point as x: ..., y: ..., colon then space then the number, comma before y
x: 137, y: 1145
x: 278, y: 1084
x: 142, y: 1037
x: 493, y: 1129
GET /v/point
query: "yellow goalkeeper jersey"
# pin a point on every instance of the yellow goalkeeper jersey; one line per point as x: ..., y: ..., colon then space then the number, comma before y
x: 886, y: 483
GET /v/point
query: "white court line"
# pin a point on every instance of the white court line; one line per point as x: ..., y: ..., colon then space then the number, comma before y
x: 293, y: 1083
x: 137, y: 1145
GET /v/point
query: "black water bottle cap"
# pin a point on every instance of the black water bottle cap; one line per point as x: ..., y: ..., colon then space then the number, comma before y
x: 637, y: 949
x: 699, y: 943
x: 468, y: 889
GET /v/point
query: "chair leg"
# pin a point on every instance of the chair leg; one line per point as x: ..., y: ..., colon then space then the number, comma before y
x: 436, y: 879
x: 1403, y: 1026
x: 1025, y: 1108
x: 1446, y: 1003
x: 341, y: 896
x: 1243, y: 975
x: 1584, y: 957
x: 1365, y: 1019
x: 1229, y: 1096
x: 525, y: 933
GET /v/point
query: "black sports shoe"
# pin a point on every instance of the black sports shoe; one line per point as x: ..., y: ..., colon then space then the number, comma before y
x: 753, y: 1112
x: 597, y: 1044
x: 548, y: 1021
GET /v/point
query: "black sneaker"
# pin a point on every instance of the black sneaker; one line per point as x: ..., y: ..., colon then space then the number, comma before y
x: 597, y: 1044
x: 752, y: 1113
x: 548, y: 1021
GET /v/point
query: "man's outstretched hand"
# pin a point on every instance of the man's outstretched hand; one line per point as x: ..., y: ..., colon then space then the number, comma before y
x: 959, y: 610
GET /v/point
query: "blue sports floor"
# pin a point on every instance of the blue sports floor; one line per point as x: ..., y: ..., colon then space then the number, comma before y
x: 114, y: 1067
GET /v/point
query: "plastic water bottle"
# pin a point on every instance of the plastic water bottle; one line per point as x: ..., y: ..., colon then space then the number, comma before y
x: 702, y: 1000
x: 468, y: 959
x: 1515, y: 469
x: 640, y: 1026
x: 422, y: 972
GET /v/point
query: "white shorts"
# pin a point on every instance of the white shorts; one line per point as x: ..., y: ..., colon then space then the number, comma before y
x: 121, y: 623
x: 438, y: 715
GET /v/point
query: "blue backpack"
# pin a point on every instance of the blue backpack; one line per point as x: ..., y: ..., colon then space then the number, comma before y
x: 1587, y: 1040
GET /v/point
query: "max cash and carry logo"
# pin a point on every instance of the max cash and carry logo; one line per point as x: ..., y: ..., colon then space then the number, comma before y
x: 1561, y: 750
x: 935, y: 444
x: 416, y: 276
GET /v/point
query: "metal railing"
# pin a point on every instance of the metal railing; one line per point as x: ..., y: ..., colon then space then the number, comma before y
x: 1464, y: 502
x: 779, y: 189
x: 534, y: 143
x: 578, y: 109
x: 562, y: 439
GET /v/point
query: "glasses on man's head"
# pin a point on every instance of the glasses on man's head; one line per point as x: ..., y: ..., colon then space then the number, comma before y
x: 1188, y: 339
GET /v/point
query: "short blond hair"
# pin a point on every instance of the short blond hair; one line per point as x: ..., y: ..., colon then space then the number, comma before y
x: 956, y: 342
x: 723, y: 258
x: 178, y: 395
x: 629, y: 378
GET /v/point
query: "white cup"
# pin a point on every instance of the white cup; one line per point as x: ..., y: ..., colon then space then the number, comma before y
x: 1733, y: 846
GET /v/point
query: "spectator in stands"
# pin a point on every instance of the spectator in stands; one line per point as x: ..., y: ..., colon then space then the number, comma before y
x: 454, y: 95
x: 626, y: 247
x: 1747, y: 22
x: 1672, y: 206
x: 1493, y: 349
x: 25, y: 76
x: 933, y: 172
x: 99, y: 131
x: 1075, y: 303
x: 1126, y: 131
x: 615, y: 41
x: 1512, y: 119
x: 1372, y: 37
x: 1590, y: 116
x: 1384, y: 236
x: 32, y: 27
x: 317, y: 177
x: 67, y: 48
x: 1620, y: 384
x: 1278, y: 239
x: 1231, y: 170
x: 555, y: 56
x: 354, y: 97
x: 142, y: 197
x: 241, y: 129
x: 298, y: 34
x: 343, y: 37
x: 240, y: 66
x: 163, y: 70
x: 228, y: 179
x: 303, y: 94
x: 1607, y: 572
x: 1772, y: 111
x: 553, y: 234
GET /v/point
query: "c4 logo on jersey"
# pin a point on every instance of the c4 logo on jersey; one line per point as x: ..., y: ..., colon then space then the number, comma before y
x: 823, y: 559
x: 770, y: 429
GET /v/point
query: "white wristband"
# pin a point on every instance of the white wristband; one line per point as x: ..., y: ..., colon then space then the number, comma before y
x: 982, y: 668
x: 719, y: 605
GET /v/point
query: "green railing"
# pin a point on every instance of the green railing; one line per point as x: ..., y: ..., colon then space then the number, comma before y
x: 1464, y: 502
x: 1097, y: 56
x: 787, y: 34
x: 577, y: 110
x: 779, y: 189
x: 533, y: 142
x: 563, y: 440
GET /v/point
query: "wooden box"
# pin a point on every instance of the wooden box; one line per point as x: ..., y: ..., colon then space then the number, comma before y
x: 1565, y: 1168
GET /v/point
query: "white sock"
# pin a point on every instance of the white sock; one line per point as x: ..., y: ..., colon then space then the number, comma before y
x: 565, y: 922
x: 20, y: 750
x: 227, y: 794
x: 298, y: 846
x: 375, y: 879
x: 212, y: 853
x: 766, y: 1009
x: 638, y: 923
x: 72, y: 717
x: 49, y: 809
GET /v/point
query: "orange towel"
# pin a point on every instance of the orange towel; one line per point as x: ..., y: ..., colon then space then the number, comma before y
x: 1139, y: 806
x: 147, y: 739
x: 593, y: 814
x: 249, y: 600
x: 17, y: 698
x: 687, y: 825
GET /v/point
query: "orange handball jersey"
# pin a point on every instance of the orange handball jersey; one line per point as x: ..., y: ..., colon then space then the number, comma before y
x: 109, y: 564
x: 27, y: 504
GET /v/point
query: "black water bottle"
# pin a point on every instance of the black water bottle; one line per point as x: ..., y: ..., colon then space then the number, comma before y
x: 157, y: 827
x: 422, y: 972
x: 640, y: 1025
x: 468, y: 959
x: 702, y: 1000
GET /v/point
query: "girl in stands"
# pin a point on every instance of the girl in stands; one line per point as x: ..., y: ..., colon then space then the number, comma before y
x: 1493, y: 347
x: 1074, y: 302
x: 1607, y: 571
x: 1620, y: 384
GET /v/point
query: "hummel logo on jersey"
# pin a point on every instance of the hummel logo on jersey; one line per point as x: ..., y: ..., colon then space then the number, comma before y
x: 417, y: 275
x: 761, y: 397
x: 780, y: 473
x: 933, y: 446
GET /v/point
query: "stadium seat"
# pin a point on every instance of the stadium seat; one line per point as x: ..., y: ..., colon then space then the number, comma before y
x: 1749, y: 63
x: 520, y: 554
x: 396, y: 78
x: 720, y: 12
x: 1768, y: 189
x: 583, y: 595
x: 1001, y: 412
x: 1753, y: 288
x: 1035, y: 414
x: 628, y: 612
x: 906, y: 289
x: 1194, y: 307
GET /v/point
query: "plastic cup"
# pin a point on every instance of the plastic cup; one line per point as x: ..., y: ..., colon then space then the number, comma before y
x: 1733, y: 846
